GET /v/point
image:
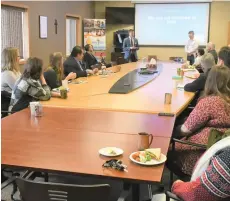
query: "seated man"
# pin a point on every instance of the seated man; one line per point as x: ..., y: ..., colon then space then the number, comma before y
x: 74, y: 64
x: 207, y: 62
x: 224, y: 56
x: 90, y: 60
x: 211, y: 49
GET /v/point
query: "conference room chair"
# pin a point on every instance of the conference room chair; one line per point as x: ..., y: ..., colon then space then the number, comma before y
x: 5, y: 102
x: 151, y: 56
x: 173, y: 141
x: 121, y: 60
x: 170, y: 196
x: 46, y: 191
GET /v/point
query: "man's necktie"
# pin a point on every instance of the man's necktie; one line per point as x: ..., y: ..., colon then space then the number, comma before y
x: 132, y: 42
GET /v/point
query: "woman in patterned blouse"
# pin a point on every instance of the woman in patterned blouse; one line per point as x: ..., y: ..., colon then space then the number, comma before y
x: 212, y: 111
x: 30, y: 87
x: 213, y: 184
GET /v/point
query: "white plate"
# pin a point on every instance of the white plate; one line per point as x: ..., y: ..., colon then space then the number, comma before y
x: 105, y: 151
x: 189, y: 69
x: 152, y: 162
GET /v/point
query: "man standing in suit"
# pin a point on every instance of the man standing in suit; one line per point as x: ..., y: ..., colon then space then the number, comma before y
x: 74, y: 64
x: 191, y: 48
x: 130, y: 47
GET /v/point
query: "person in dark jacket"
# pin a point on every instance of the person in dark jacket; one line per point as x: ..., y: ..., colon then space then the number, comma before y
x: 74, y: 64
x: 89, y: 59
x: 211, y: 50
x: 207, y: 62
x: 224, y: 56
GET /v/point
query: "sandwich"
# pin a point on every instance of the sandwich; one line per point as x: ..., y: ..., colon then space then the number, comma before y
x: 154, y: 153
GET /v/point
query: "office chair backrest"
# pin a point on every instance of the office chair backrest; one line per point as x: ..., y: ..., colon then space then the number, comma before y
x: 120, y: 60
x: 45, y: 191
x: 5, y: 102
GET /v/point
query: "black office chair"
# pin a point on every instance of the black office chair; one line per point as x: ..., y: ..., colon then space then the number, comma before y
x: 121, y: 60
x: 46, y: 191
x: 170, y: 195
x: 173, y: 141
x: 5, y: 102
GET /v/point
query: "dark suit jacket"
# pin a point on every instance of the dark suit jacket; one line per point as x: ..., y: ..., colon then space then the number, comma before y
x: 89, y: 60
x: 71, y: 65
x: 126, y: 48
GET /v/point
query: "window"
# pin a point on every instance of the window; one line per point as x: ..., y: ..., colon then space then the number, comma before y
x: 73, y: 32
x: 71, y: 35
x: 14, y: 25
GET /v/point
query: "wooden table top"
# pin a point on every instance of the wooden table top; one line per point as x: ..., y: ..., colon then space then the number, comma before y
x: 73, y: 151
x: 68, y: 140
x: 147, y: 99
x: 91, y: 120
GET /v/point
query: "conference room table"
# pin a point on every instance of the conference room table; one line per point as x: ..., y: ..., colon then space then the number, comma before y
x: 93, y: 93
x: 67, y: 140
x: 68, y: 136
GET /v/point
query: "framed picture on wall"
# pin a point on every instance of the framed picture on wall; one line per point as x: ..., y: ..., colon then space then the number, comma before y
x: 43, y: 27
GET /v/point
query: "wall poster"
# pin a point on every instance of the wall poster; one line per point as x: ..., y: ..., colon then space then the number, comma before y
x: 95, y: 34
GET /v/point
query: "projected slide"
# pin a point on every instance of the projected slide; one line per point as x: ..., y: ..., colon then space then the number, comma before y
x: 169, y: 24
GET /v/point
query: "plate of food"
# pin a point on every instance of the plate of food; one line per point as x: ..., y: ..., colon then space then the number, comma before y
x: 148, y: 157
x: 194, y: 76
x: 111, y: 151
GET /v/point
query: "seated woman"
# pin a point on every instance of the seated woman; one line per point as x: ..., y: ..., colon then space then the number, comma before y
x: 10, y: 69
x: 30, y: 87
x: 210, y: 180
x: 54, y: 73
x: 207, y: 62
x: 212, y: 111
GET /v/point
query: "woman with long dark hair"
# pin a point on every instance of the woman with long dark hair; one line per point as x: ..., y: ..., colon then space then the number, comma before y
x: 54, y: 73
x: 30, y: 87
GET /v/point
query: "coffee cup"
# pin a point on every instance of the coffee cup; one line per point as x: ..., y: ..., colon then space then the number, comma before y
x: 35, y: 109
x: 144, y: 140
x: 63, y: 93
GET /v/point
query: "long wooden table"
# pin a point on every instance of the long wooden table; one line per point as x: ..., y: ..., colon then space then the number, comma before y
x: 91, y: 120
x: 68, y: 140
x: 147, y: 99
x: 69, y: 134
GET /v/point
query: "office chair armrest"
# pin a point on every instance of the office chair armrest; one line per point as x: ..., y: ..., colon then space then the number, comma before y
x: 124, y: 195
x: 190, y: 143
x: 172, y: 196
x: 3, y: 111
x: 7, y: 182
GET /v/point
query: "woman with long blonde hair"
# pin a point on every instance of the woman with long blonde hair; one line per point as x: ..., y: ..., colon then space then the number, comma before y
x: 10, y: 69
x: 54, y: 73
